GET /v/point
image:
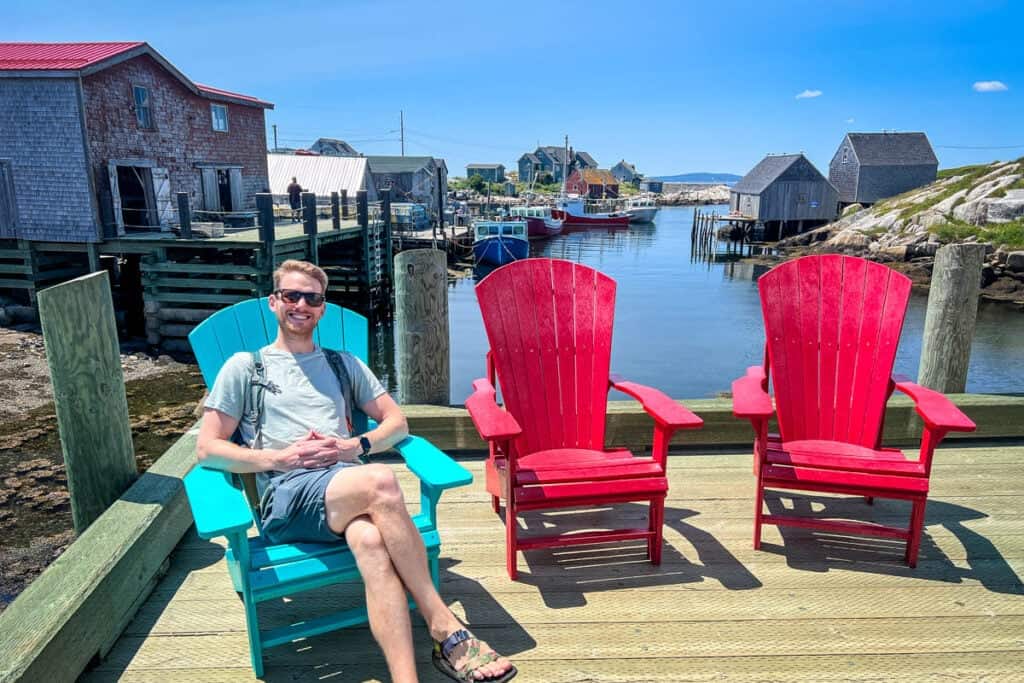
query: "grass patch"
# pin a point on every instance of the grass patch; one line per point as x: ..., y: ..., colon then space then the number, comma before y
x: 1006, y: 235
x: 876, y: 232
x: 998, y: 193
x: 970, y: 174
x: 961, y: 170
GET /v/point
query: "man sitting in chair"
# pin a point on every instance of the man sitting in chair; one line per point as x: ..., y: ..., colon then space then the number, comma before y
x: 312, y: 490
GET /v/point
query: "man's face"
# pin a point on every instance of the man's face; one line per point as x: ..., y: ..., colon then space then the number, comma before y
x: 299, y: 318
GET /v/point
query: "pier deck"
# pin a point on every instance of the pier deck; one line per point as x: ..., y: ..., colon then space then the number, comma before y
x: 810, y: 606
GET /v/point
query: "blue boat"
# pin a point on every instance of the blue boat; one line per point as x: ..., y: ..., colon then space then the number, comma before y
x: 500, y: 242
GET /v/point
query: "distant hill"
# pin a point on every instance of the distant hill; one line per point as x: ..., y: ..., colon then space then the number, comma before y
x: 700, y: 178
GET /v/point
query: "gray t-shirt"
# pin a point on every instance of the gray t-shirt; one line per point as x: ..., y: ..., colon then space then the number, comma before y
x: 304, y: 394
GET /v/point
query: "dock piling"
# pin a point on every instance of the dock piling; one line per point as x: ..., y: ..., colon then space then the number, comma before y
x: 335, y: 212
x: 184, y: 216
x: 950, y: 317
x: 309, y: 226
x: 344, y: 204
x: 80, y: 335
x: 421, y: 327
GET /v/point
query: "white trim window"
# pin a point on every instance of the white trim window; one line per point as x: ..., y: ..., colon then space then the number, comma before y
x: 846, y: 155
x: 143, y: 112
x: 219, y: 115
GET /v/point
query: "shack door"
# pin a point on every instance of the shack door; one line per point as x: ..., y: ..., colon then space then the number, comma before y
x: 236, y: 188
x: 162, y: 192
x: 115, y: 197
x: 8, y: 210
x: 211, y: 189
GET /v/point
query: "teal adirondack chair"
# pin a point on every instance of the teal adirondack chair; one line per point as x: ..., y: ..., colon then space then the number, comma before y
x: 221, y: 505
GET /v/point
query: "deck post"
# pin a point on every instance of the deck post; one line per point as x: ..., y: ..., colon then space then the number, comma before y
x: 80, y: 335
x: 344, y: 204
x: 389, y: 263
x: 362, y: 210
x: 421, y: 327
x: 440, y: 202
x: 335, y: 212
x: 265, y: 209
x: 184, y: 216
x: 309, y: 224
x: 950, y: 317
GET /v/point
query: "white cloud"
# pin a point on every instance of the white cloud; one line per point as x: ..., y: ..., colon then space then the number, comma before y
x: 808, y: 94
x: 849, y: 120
x: 989, y: 86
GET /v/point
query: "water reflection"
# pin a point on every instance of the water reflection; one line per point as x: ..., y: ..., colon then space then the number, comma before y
x: 685, y: 328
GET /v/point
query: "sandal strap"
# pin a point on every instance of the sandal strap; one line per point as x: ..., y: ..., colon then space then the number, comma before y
x: 449, y: 643
x: 476, y: 661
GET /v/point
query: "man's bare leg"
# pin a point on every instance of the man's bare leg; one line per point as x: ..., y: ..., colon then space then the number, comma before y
x: 385, y: 598
x: 373, y: 491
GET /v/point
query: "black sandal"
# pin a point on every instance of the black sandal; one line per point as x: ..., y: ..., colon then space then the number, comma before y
x: 475, y: 660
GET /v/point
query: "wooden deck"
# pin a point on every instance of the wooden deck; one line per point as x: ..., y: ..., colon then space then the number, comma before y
x: 810, y: 606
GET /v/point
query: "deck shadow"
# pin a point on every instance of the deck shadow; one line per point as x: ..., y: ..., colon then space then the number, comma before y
x: 821, y: 551
x: 564, y: 576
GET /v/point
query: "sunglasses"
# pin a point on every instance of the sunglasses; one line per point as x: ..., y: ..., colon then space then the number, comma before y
x: 293, y: 296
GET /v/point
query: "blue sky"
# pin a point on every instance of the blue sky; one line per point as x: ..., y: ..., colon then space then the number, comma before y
x: 670, y: 86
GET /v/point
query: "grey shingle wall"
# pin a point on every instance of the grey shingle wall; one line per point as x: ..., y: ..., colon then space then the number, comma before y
x: 41, y: 134
x: 879, y: 182
x: 844, y: 176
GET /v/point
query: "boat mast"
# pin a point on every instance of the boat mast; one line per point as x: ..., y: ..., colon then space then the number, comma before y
x: 565, y: 164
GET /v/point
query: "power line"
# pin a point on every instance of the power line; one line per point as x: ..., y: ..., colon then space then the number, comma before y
x: 980, y: 147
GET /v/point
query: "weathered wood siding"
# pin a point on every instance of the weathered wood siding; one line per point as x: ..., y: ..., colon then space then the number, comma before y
x: 746, y: 204
x: 843, y: 174
x: 799, y: 194
x: 876, y: 183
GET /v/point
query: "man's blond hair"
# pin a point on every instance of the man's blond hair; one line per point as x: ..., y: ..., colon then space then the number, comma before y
x: 304, y: 267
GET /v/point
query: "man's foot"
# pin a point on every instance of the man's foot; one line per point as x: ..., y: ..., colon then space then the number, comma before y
x: 463, y: 657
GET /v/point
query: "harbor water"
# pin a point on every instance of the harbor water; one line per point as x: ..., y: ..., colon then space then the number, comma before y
x: 689, y: 325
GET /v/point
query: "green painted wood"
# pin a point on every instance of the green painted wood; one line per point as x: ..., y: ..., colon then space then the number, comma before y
x: 206, y: 268
x: 17, y: 284
x: 14, y: 253
x: 176, y: 297
x: 204, y: 282
x: 78, y: 607
x: 19, y: 268
x: 92, y: 411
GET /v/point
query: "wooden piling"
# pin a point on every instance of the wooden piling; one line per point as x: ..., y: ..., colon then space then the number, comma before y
x: 362, y: 209
x: 421, y: 326
x: 184, y: 216
x: 309, y: 226
x: 265, y: 217
x: 344, y: 204
x: 950, y: 317
x: 335, y: 212
x: 440, y: 203
x: 385, y: 208
x: 80, y: 335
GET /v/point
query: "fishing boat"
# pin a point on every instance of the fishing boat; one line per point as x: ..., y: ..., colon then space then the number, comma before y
x: 539, y: 221
x: 500, y: 242
x: 570, y: 210
x: 641, y: 210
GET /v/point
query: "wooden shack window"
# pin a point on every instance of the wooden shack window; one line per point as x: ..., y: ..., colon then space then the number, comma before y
x: 143, y: 114
x: 219, y: 112
x: 846, y: 154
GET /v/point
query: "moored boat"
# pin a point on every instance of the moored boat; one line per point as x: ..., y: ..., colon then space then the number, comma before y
x: 500, y: 242
x: 539, y: 221
x: 570, y: 210
x: 641, y: 210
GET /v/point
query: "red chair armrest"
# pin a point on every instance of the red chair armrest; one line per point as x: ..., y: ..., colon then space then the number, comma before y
x: 749, y: 398
x: 492, y: 422
x: 663, y: 409
x: 937, y: 411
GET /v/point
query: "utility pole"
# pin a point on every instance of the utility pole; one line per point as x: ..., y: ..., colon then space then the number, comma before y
x: 401, y: 125
x: 274, y: 126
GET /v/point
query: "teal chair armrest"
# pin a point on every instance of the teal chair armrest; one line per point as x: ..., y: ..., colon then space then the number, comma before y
x: 219, y: 509
x: 433, y: 467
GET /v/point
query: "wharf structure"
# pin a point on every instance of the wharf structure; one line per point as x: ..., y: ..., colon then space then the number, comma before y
x: 111, y: 158
x: 784, y: 194
x: 870, y: 167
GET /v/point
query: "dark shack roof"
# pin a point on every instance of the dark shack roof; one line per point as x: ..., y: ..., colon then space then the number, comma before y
x: 892, y: 149
x: 762, y: 175
x: 392, y: 164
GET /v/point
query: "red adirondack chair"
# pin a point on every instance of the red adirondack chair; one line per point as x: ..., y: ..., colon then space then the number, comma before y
x: 549, y: 324
x: 832, y: 325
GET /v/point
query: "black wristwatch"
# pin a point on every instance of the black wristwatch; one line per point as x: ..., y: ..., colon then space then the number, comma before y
x: 367, y: 446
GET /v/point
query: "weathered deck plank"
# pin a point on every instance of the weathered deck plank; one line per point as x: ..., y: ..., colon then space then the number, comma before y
x: 811, y: 606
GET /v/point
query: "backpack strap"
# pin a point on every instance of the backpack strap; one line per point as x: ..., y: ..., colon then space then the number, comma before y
x: 337, y: 362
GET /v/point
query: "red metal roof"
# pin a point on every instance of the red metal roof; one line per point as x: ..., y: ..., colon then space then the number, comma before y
x: 57, y: 56
x: 210, y: 90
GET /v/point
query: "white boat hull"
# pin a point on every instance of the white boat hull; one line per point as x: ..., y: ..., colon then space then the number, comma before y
x: 642, y: 215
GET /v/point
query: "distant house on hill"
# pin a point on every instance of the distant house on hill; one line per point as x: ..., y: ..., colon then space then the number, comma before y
x: 97, y: 138
x: 869, y: 167
x: 593, y: 183
x: 332, y: 147
x: 551, y: 159
x: 322, y: 174
x: 785, y: 194
x: 411, y: 179
x: 626, y: 172
x: 492, y: 173
x: 652, y: 186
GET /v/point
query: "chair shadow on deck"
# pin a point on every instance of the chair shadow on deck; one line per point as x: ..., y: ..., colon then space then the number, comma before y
x: 820, y: 551
x: 565, y: 575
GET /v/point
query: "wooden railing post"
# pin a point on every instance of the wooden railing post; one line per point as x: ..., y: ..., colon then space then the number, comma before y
x: 309, y: 225
x: 421, y: 326
x: 80, y: 335
x: 184, y: 216
x: 265, y: 209
x: 950, y: 317
x: 335, y: 212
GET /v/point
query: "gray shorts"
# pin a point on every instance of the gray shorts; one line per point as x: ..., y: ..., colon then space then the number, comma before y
x: 292, y: 508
